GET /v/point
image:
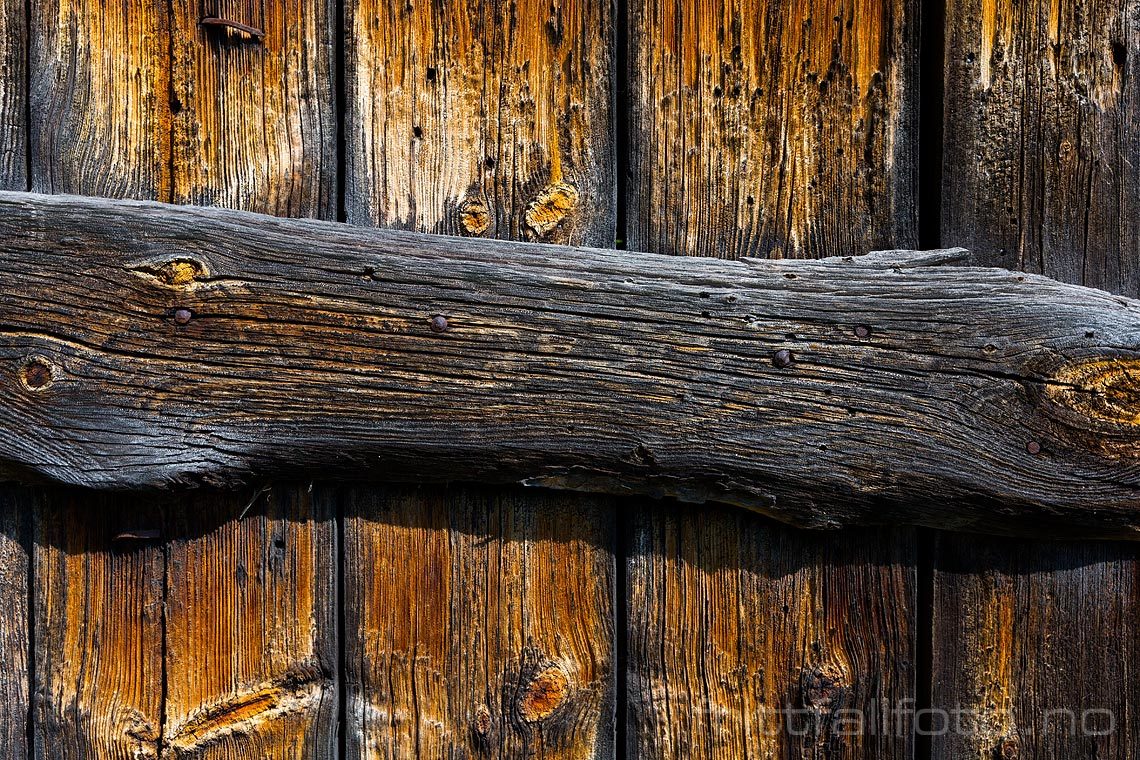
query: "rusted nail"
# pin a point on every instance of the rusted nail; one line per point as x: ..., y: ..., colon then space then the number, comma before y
x: 183, y: 316
x: 783, y: 358
x: 1033, y: 447
x: 237, y: 26
x: 36, y: 375
x: 862, y: 331
x: 438, y: 323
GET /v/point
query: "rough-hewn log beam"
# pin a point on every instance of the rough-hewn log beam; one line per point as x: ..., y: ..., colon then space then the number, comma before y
x: 148, y: 345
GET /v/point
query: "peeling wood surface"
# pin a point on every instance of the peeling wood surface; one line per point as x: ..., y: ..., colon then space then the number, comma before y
x: 204, y: 311
x: 482, y: 120
x: 13, y: 95
x: 490, y: 119
x: 1037, y: 643
x: 482, y: 625
x: 16, y: 508
x: 140, y: 100
x: 753, y: 639
x: 785, y: 129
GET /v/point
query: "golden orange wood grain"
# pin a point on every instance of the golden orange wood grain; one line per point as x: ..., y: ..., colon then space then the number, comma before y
x: 143, y: 100
x: 784, y: 129
x: 99, y: 577
x: 491, y: 120
x: 479, y: 623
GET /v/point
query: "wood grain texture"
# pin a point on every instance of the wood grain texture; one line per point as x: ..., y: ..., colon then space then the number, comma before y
x: 1035, y: 643
x: 1042, y: 124
x: 479, y: 622
x: 254, y: 117
x: 100, y: 98
x: 482, y: 118
x: 754, y: 639
x: 143, y: 100
x: 485, y: 119
x: 13, y: 96
x: 660, y: 375
x: 1035, y: 650
x: 251, y: 656
x: 16, y: 507
x: 785, y: 129
x: 98, y: 626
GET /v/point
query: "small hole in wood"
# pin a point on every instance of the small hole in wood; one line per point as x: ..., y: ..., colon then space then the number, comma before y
x: 1119, y: 54
x: 418, y: 131
x: 36, y: 374
x: 431, y: 73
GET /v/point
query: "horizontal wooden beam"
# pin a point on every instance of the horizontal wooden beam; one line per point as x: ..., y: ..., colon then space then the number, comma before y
x: 149, y: 345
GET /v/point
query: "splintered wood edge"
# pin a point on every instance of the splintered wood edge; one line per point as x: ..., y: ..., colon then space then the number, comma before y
x: 146, y: 345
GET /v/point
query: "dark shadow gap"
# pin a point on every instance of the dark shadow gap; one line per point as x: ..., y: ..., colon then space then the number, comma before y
x: 931, y: 94
x: 28, y: 96
x: 341, y: 111
x: 28, y: 529
x: 924, y: 639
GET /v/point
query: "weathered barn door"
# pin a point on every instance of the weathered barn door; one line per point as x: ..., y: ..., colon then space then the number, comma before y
x: 314, y: 620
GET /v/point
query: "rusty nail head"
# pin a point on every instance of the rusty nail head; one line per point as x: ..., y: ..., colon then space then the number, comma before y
x: 438, y: 323
x: 783, y: 358
x: 183, y: 316
x: 1033, y: 447
x: 862, y: 331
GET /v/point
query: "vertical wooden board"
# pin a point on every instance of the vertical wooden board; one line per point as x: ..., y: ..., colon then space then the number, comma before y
x: 1035, y: 650
x: 1034, y: 642
x: 142, y: 100
x: 752, y: 639
x: 251, y: 628
x: 488, y: 118
x: 16, y: 505
x: 479, y: 624
x: 98, y: 626
x: 99, y: 99
x: 784, y: 129
x: 255, y: 115
x: 251, y: 619
x: 1042, y: 124
x: 13, y: 96
x: 482, y: 117
x: 789, y: 130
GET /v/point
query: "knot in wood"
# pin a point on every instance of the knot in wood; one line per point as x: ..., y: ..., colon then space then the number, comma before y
x: 823, y: 687
x: 1101, y: 389
x: 474, y: 218
x: 36, y: 374
x: 180, y: 273
x: 482, y: 722
x: 549, y: 208
x: 543, y: 693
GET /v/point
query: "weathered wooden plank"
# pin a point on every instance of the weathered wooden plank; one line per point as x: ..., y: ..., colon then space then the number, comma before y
x: 251, y: 628
x: 251, y: 665
x: 1034, y: 644
x: 480, y: 623
x: 145, y: 100
x: 788, y: 130
x: 13, y: 96
x: 1035, y: 649
x: 100, y: 97
x: 1042, y: 121
x: 210, y: 344
x: 785, y: 129
x: 98, y: 626
x: 481, y: 118
x: 749, y: 638
x: 16, y: 506
x: 254, y: 117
